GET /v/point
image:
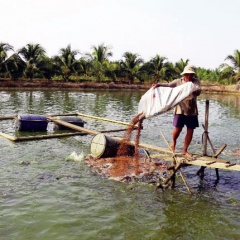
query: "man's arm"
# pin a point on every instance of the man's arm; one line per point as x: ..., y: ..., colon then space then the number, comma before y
x: 171, y: 84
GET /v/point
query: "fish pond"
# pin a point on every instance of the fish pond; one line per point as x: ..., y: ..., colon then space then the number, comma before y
x: 47, y: 191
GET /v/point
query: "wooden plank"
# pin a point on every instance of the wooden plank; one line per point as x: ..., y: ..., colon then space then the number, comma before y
x: 205, y: 161
x: 215, y: 165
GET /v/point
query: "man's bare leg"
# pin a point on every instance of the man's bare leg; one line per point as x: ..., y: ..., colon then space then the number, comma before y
x: 175, y: 136
x: 187, y: 141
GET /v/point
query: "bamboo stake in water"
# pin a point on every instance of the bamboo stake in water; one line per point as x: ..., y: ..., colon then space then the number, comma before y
x: 173, y: 154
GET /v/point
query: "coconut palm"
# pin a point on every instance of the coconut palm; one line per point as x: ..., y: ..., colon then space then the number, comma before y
x: 16, y: 66
x: 12, y: 66
x: 99, y: 60
x: 227, y: 74
x: 67, y: 62
x: 157, y: 67
x: 235, y: 60
x: 4, y: 49
x: 131, y: 66
x: 111, y: 70
x: 180, y: 65
x: 31, y: 54
x: 47, y: 67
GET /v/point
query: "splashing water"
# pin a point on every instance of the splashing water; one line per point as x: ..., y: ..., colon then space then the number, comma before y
x: 75, y: 157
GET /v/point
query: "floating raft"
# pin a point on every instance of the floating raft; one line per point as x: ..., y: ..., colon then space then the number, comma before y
x: 57, y: 120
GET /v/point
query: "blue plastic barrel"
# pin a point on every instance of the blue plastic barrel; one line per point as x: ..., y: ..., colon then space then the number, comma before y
x: 31, y: 123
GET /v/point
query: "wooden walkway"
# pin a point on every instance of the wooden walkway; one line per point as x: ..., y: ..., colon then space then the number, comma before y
x: 202, y: 161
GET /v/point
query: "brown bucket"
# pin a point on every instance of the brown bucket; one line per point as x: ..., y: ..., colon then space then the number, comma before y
x: 103, y: 146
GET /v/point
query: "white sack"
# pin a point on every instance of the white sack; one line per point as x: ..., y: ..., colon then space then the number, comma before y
x: 162, y: 99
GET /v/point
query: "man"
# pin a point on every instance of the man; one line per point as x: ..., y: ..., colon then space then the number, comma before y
x: 186, y: 112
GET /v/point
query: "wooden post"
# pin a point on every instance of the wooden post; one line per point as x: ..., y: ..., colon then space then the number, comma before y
x: 206, y: 129
x: 205, y: 138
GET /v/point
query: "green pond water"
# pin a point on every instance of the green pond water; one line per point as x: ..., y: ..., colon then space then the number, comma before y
x: 47, y: 192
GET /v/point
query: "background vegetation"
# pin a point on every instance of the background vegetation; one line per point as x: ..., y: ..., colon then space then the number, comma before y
x: 31, y: 62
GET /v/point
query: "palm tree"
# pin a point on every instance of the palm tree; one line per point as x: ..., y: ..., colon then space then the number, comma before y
x: 16, y: 66
x: 111, y: 69
x: 98, y: 60
x: 235, y: 59
x: 180, y: 65
x: 47, y: 67
x: 67, y: 62
x: 31, y: 54
x: 131, y: 66
x: 4, y: 48
x: 158, y: 68
x: 227, y: 74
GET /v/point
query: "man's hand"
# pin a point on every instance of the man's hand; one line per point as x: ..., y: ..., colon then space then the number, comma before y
x: 156, y: 85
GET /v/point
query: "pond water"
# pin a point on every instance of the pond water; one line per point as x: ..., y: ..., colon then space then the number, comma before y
x: 45, y: 193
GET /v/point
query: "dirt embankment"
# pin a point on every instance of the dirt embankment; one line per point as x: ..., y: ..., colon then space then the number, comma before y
x: 44, y: 84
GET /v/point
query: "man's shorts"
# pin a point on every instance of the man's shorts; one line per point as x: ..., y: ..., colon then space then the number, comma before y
x: 190, y: 121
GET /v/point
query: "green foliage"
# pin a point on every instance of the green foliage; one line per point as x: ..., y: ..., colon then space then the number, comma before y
x: 99, y: 65
x: 180, y: 65
x: 235, y: 60
x: 31, y: 54
x: 131, y: 67
x: 31, y: 61
x: 66, y: 64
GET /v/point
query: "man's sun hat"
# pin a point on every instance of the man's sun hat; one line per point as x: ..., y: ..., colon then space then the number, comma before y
x: 189, y: 69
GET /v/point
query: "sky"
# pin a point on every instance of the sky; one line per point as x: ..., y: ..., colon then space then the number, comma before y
x: 204, y: 31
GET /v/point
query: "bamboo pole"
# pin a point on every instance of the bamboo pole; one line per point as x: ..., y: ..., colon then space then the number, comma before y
x: 40, y: 137
x: 104, y: 119
x: 147, y: 146
x: 8, y: 136
x: 93, y: 132
x: 64, y: 114
x: 80, y: 129
x: 175, y: 161
x: 73, y: 126
x: 208, y: 139
x: 216, y: 154
x: 7, y: 118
